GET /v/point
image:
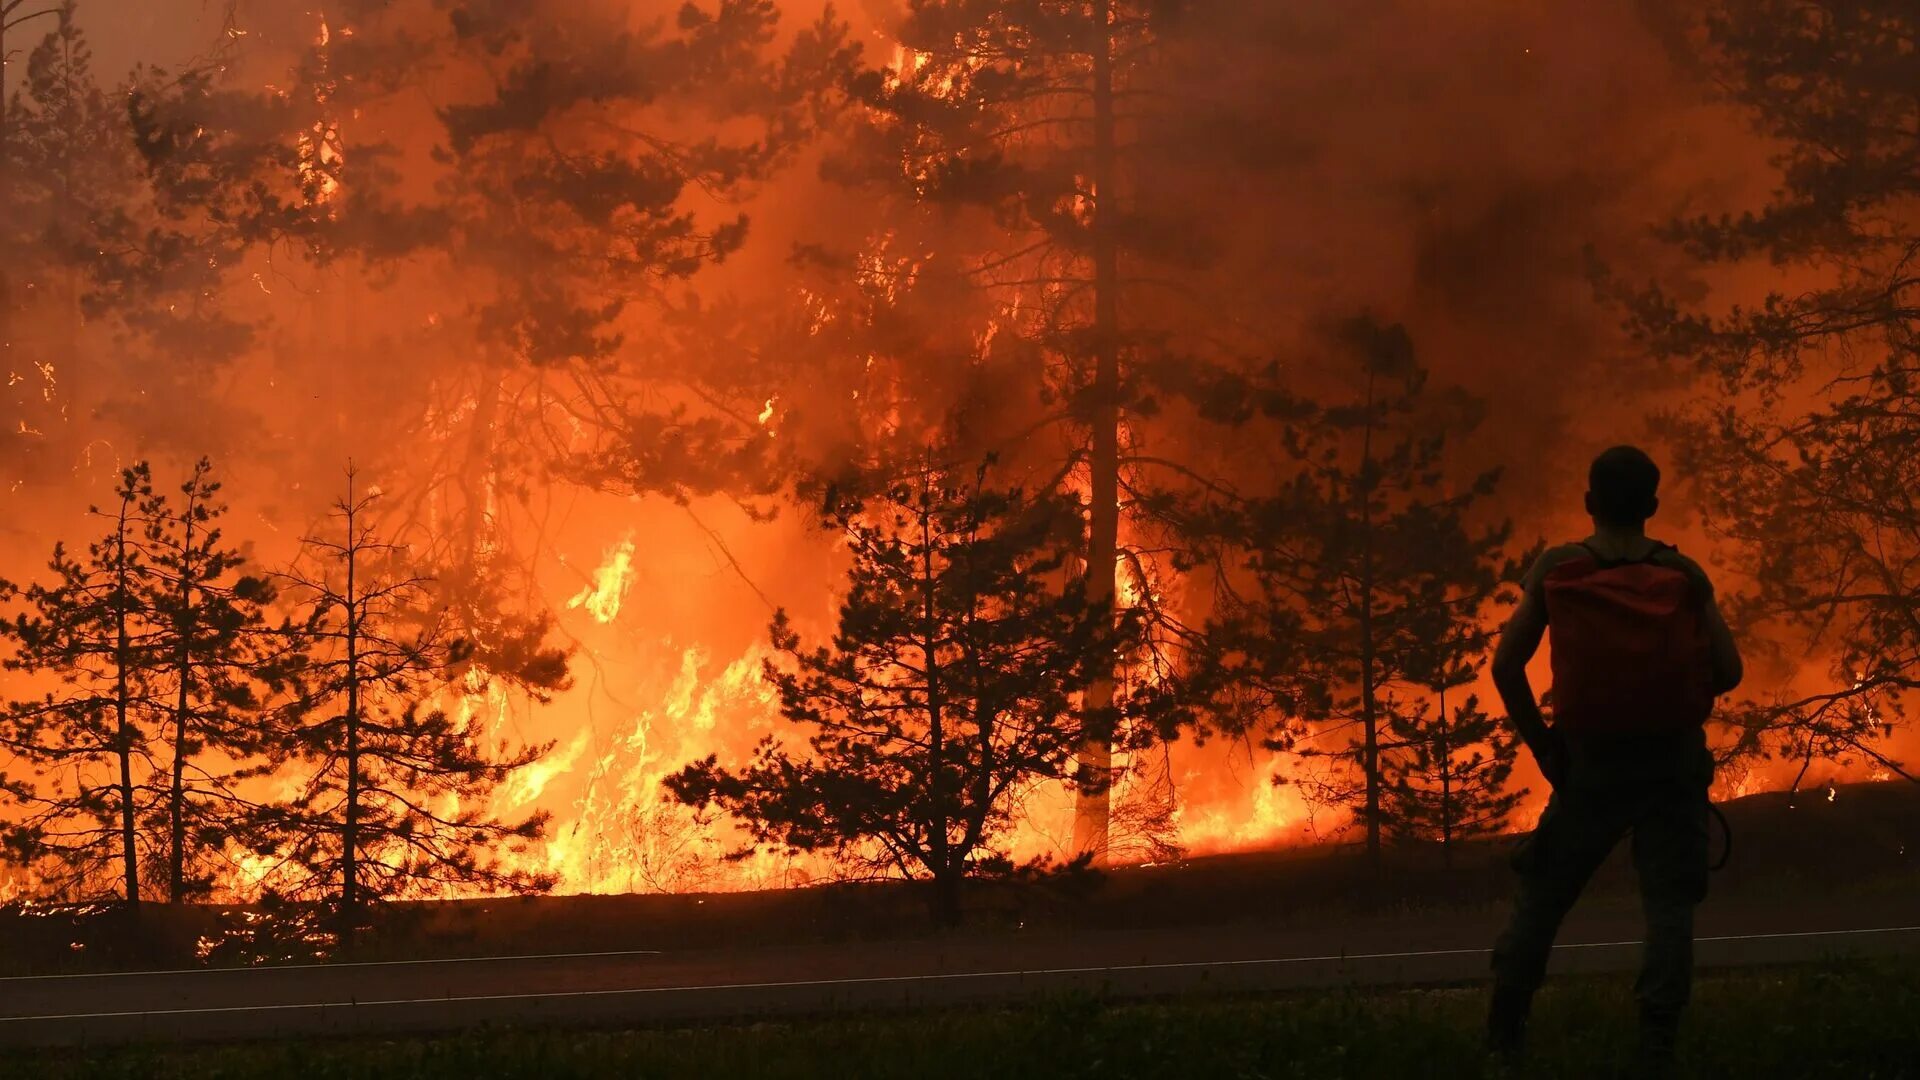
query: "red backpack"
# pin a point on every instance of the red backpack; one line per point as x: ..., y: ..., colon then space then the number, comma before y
x: 1629, y: 647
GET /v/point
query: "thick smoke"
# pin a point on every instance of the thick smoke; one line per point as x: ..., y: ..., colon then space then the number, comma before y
x: 1447, y: 166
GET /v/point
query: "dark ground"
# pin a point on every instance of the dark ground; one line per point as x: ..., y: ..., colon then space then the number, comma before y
x: 1853, y: 1021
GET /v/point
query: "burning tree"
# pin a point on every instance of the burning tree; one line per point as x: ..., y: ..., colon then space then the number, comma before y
x: 1029, y: 120
x: 88, y: 740
x: 393, y: 802
x: 950, y: 689
x: 1806, y: 461
x: 1363, y: 581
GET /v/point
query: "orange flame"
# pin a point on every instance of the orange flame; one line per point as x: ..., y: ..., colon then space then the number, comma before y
x: 603, y: 596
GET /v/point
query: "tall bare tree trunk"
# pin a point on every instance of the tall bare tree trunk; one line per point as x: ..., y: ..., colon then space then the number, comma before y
x: 122, y: 706
x: 1094, y: 810
x: 946, y: 908
x: 350, y: 831
x: 1446, y: 781
x: 1369, y: 711
x: 183, y: 672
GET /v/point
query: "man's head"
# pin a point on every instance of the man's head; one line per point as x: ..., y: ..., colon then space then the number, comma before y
x: 1622, y: 487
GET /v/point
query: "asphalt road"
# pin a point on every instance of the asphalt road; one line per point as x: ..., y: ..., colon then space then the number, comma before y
x: 665, y: 985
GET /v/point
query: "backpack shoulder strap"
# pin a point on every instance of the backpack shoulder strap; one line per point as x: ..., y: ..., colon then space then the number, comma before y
x: 1658, y: 549
x: 1652, y: 556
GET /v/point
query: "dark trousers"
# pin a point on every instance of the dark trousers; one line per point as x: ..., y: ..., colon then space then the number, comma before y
x: 1657, y: 794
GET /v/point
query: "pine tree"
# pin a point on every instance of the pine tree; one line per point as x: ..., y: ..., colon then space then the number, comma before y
x: 948, y: 690
x: 88, y: 741
x: 1445, y: 773
x: 1353, y: 569
x: 1804, y: 458
x: 1448, y: 777
x: 217, y: 663
x: 392, y: 801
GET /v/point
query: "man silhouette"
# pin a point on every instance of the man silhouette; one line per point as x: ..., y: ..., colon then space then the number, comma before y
x: 1639, y: 652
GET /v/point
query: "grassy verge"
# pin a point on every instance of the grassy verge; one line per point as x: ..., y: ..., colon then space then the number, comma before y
x: 1853, y: 1021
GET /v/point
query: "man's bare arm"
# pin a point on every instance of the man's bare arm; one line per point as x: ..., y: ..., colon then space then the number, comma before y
x: 1518, y: 642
